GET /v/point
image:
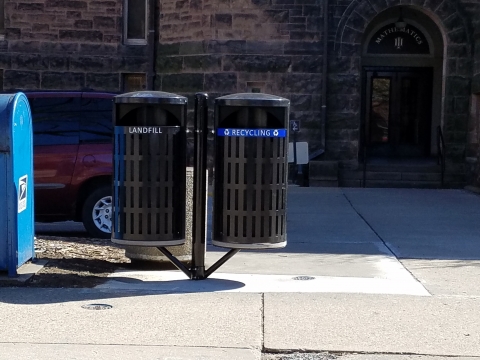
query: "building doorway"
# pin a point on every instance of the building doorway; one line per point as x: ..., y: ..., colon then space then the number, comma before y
x: 402, y: 86
x: 398, y: 112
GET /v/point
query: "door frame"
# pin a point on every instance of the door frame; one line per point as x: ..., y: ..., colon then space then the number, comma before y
x: 366, y: 104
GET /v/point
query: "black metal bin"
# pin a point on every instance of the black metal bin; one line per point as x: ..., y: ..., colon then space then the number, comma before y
x: 250, y: 195
x: 149, y: 169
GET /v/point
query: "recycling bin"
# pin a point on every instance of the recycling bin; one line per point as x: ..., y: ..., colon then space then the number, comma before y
x: 149, y: 169
x: 250, y: 191
x: 16, y: 183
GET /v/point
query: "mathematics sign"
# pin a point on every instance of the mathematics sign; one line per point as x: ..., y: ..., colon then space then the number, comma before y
x: 393, y: 40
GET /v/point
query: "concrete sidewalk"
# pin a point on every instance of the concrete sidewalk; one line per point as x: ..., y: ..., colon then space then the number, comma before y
x: 391, y: 272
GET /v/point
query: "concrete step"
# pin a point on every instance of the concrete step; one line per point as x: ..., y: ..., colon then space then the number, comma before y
x: 323, y: 183
x: 323, y: 173
x: 403, y: 184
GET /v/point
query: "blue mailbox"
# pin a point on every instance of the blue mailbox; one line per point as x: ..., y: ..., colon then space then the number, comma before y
x: 16, y: 183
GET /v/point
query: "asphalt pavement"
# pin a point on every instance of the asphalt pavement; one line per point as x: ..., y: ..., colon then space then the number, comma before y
x: 367, y: 274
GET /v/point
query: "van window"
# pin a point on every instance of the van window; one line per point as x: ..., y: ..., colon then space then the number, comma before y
x: 55, y: 120
x: 96, y: 120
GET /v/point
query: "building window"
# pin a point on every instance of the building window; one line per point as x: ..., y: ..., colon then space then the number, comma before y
x: 135, y: 22
x: 134, y: 82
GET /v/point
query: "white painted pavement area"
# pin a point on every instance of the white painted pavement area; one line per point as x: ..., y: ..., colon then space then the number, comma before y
x: 176, y: 282
x: 391, y: 278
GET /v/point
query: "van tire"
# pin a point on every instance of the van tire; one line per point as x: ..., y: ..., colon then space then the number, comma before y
x: 97, y: 213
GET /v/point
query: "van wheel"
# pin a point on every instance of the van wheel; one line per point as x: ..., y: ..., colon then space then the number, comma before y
x: 97, y: 213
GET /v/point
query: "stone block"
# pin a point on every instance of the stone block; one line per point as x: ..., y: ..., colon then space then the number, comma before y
x: 300, y: 102
x: 204, y: 63
x: 98, y: 49
x: 17, y: 80
x: 341, y: 150
x: 132, y: 51
x: 264, y: 47
x: 103, y: 81
x: 39, y: 36
x: 130, y: 64
x: 301, y: 83
x: 12, y: 33
x: 81, y: 35
x: 307, y: 64
x: 303, y: 48
x: 57, y: 62
x: 169, y: 64
x: 256, y: 63
x: 458, y: 86
x: 222, y: 82
x: 343, y: 121
x: 346, y: 84
x: 90, y: 63
x: 29, y: 62
x: 83, y: 24
x: 244, y: 20
x: 104, y: 22
x: 223, y: 21
x: 192, y: 48
x: 261, y: 3
x: 63, y: 80
x: 366, y: 10
x: 30, y: 7
x: 5, y: 60
x: 277, y: 16
x: 356, y: 22
x: 457, y: 36
x: 58, y: 48
x: 62, y: 4
x: 168, y: 49
x: 227, y: 46
x: 40, y: 27
x: 312, y: 9
x: 342, y: 103
x: 178, y: 83
x: 457, y: 51
x: 74, y: 14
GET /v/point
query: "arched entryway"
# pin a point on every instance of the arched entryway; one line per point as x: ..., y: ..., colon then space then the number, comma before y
x: 402, y: 82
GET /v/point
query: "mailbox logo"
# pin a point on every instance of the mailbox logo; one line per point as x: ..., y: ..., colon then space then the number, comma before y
x: 22, y: 193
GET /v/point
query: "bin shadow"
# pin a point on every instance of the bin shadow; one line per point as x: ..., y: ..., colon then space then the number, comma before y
x: 176, y: 286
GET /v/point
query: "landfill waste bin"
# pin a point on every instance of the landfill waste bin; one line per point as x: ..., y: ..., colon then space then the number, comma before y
x: 149, y: 169
x: 16, y: 183
x: 251, y: 165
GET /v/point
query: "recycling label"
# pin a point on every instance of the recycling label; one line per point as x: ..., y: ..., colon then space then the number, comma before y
x: 22, y: 193
x: 281, y: 133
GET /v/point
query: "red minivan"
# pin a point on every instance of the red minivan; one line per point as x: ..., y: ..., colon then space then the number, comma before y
x: 72, y: 138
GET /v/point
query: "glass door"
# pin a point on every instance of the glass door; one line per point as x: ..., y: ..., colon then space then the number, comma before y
x: 398, y: 113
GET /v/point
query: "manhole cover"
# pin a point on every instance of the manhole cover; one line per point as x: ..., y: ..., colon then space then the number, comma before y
x: 97, y: 306
x: 303, y: 278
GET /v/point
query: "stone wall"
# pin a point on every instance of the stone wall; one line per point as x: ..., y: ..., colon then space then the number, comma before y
x: 71, y: 45
x: 230, y: 46
x: 472, y: 7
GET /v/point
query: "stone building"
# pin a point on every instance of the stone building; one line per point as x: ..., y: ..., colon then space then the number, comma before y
x: 375, y: 84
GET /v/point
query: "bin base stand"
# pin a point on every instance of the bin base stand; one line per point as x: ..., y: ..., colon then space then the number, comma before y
x: 198, y: 273
x: 260, y: 246
x: 149, y: 243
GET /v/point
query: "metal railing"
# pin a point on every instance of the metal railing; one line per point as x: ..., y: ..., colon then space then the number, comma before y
x: 441, y: 152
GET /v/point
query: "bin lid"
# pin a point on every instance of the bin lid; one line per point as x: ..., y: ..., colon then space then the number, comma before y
x: 150, y: 97
x: 252, y: 99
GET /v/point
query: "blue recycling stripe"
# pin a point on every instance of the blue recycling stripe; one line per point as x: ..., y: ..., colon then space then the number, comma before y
x: 281, y: 133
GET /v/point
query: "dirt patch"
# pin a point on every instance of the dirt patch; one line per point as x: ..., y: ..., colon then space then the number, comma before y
x: 76, y: 262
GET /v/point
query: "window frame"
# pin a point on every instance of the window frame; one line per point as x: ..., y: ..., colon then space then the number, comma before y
x: 126, y: 40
